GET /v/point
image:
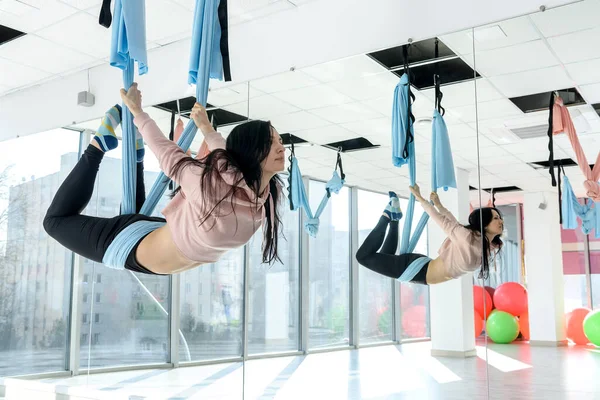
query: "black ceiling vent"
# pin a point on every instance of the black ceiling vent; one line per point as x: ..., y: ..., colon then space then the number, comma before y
x: 288, y: 139
x: 355, y: 144
x: 423, y: 64
x: 7, y: 34
x: 502, y: 189
x: 419, y: 52
x: 541, y: 101
x: 596, y: 108
x: 221, y: 117
x: 565, y: 162
x: 451, y: 71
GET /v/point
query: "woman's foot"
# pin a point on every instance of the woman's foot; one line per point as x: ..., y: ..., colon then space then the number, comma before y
x: 105, y: 137
x: 393, y: 211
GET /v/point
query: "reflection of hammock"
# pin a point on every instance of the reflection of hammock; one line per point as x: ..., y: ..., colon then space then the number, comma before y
x: 297, y: 192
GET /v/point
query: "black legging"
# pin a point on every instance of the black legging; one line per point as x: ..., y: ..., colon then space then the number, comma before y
x: 386, y: 262
x: 85, y: 235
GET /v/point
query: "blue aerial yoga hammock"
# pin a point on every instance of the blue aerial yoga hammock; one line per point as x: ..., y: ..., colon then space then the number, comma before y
x: 403, y: 152
x: 297, y: 193
x: 571, y: 209
x: 206, y: 61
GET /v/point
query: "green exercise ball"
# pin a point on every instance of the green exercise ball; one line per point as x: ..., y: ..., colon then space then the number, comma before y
x: 591, y: 327
x: 502, y: 327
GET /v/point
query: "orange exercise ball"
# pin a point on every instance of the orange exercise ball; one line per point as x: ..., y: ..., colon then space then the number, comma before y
x: 524, y: 325
x: 575, y: 325
x: 478, y: 296
x: 511, y: 297
x: 478, y: 324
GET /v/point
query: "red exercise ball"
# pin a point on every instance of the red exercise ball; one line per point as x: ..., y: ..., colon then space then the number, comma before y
x: 524, y: 324
x: 407, y: 295
x: 575, y: 325
x: 478, y: 293
x: 511, y: 297
x: 491, y: 291
x: 414, y: 321
x: 478, y: 324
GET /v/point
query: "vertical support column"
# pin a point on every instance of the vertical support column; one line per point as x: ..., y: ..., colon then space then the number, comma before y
x: 451, y: 303
x: 75, y: 302
x: 174, y: 320
x: 354, y: 283
x: 304, y: 278
x: 544, y: 268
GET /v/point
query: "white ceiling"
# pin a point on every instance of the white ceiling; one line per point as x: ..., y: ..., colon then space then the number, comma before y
x: 353, y: 97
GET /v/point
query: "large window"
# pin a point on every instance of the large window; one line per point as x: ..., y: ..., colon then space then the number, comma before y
x: 129, y: 324
x: 211, y: 312
x: 329, y: 271
x: 414, y: 298
x: 273, y: 292
x: 375, y: 291
x: 35, y: 271
x: 576, y: 290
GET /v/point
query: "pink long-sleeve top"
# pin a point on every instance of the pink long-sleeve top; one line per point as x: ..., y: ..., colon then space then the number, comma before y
x: 462, y: 249
x: 207, y: 242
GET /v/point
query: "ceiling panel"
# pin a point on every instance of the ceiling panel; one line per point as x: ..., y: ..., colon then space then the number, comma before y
x: 166, y: 19
x: 13, y: 75
x: 585, y: 72
x: 232, y: 94
x: 487, y: 110
x: 349, y: 112
x: 325, y: 134
x: 578, y: 46
x: 591, y: 93
x: 284, y: 82
x: 80, y: 32
x: 297, y: 121
x: 349, y: 68
x: 42, y: 54
x: 517, y: 58
x: 462, y: 94
x: 366, y: 88
x: 313, y: 97
x: 531, y: 82
x: 26, y: 18
x: 374, y: 127
x: 557, y: 21
x: 83, y: 4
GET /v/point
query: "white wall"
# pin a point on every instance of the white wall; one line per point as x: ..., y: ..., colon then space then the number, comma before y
x: 543, y: 263
x: 313, y: 33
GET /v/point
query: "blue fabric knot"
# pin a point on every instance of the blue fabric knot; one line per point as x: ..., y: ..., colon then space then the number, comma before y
x: 312, y: 226
x: 335, y: 184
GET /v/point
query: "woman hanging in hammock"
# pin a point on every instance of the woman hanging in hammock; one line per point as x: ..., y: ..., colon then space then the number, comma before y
x: 222, y: 199
x: 460, y: 253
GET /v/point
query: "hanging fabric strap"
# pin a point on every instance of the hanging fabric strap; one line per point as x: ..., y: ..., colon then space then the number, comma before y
x: 442, y: 163
x: 550, y: 140
x: 413, y: 269
x: 572, y: 208
x: 437, y: 82
x: 297, y: 193
x: 562, y: 123
x: 205, y: 62
x: 105, y: 17
x: 122, y: 245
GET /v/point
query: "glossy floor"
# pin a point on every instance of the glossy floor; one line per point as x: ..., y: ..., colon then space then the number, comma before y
x: 515, y: 371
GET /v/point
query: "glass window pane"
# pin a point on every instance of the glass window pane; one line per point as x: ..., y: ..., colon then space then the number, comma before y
x: 211, y: 312
x: 414, y: 298
x: 35, y: 271
x: 274, y: 292
x: 130, y: 324
x: 595, y: 271
x: 375, y: 299
x: 329, y: 270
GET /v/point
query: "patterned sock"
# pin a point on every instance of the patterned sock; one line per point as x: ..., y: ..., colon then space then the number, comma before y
x: 105, y: 136
x: 392, y: 210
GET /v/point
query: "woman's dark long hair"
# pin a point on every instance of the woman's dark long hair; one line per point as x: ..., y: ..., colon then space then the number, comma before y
x: 246, y: 147
x: 478, y: 220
